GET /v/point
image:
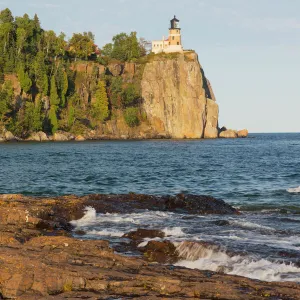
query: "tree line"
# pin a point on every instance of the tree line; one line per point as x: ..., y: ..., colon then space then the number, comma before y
x: 42, y: 61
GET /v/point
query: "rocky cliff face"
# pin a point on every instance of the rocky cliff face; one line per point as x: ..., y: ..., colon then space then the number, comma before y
x: 178, y: 99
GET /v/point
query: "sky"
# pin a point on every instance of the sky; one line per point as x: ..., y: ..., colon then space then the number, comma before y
x: 249, y: 49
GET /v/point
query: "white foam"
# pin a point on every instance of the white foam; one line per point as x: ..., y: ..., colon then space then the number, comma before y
x: 147, y: 240
x: 89, y: 218
x: 175, y: 231
x: 250, y: 225
x: 294, y: 190
x: 105, y: 232
x: 198, y: 256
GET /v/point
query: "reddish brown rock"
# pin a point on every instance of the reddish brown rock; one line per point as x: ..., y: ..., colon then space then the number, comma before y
x: 144, y: 233
x: 59, y: 267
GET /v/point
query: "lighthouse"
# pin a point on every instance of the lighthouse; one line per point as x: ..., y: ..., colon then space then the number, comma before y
x: 173, y: 42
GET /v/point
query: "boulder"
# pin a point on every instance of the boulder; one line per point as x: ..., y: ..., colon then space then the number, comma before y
x: 38, y: 137
x: 228, y: 134
x: 9, y: 136
x: 61, y: 136
x: 243, y: 133
x: 141, y: 234
x: 80, y: 138
x: 161, y: 252
x: 115, y: 69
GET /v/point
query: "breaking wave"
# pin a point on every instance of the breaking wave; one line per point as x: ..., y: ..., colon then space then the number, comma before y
x: 294, y: 190
x: 210, y: 257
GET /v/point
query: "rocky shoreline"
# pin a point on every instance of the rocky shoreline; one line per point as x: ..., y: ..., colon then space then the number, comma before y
x: 40, y: 258
x: 62, y: 136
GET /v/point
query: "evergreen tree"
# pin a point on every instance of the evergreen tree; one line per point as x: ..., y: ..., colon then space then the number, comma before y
x: 53, y: 118
x: 24, y: 79
x: 40, y: 73
x: 65, y: 85
x: 33, y: 118
x: 6, y: 97
x: 54, y: 99
x: 100, y: 108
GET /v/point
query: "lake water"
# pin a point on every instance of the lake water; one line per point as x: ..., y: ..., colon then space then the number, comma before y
x: 259, y: 175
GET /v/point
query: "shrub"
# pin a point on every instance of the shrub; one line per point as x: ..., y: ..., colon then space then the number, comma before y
x: 131, y: 116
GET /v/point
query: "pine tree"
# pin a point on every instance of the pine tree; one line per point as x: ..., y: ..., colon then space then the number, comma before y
x: 53, y: 118
x: 54, y: 99
x: 100, y: 108
x: 24, y: 79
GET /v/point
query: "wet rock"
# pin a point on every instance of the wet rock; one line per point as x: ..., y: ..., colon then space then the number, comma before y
x: 222, y: 223
x: 198, y: 205
x: 161, y: 252
x: 36, y: 265
x: 141, y: 234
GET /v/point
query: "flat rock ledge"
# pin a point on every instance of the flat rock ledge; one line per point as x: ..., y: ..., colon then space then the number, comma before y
x: 39, y: 258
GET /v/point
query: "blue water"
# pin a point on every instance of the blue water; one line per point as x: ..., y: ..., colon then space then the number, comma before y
x: 253, y: 174
x: 254, y: 171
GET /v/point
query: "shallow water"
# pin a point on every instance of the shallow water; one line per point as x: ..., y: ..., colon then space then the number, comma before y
x: 259, y: 175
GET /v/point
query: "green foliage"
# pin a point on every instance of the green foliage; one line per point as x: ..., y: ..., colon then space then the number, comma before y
x: 107, y: 50
x: 33, y: 120
x: 54, y: 99
x: 55, y: 94
x: 116, y: 92
x: 24, y: 79
x: 40, y: 73
x: 131, y: 116
x: 100, y: 108
x: 130, y: 95
x: 53, y: 118
x: 81, y: 46
x: 124, y: 47
x: 6, y: 96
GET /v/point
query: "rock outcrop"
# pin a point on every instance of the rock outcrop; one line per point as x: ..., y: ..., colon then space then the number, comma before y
x: 243, y: 133
x: 40, y: 260
x: 229, y: 134
x: 177, y: 100
x: 176, y: 95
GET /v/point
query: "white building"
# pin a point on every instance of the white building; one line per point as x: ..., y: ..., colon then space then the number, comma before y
x: 172, y: 43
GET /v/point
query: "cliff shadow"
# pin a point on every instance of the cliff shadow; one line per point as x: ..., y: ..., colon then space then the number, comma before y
x: 205, y: 85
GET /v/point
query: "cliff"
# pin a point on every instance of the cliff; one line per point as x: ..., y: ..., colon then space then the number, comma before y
x: 177, y: 97
x: 175, y: 100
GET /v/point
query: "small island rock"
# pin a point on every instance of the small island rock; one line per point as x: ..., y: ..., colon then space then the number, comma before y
x: 229, y: 134
x: 243, y: 133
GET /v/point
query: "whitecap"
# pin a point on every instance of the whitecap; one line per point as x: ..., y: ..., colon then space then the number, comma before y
x: 250, y: 225
x: 294, y: 190
x: 212, y: 258
x: 88, y: 218
x: 175, y: 231
x: 112, y: 233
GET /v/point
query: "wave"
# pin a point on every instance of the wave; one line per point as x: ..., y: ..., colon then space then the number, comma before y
x: 175, y: 231
x: 88, y: 218
x: 204, y: 256
x: 250, y: 225
x: 294, y: 190
x: 105, y: 232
